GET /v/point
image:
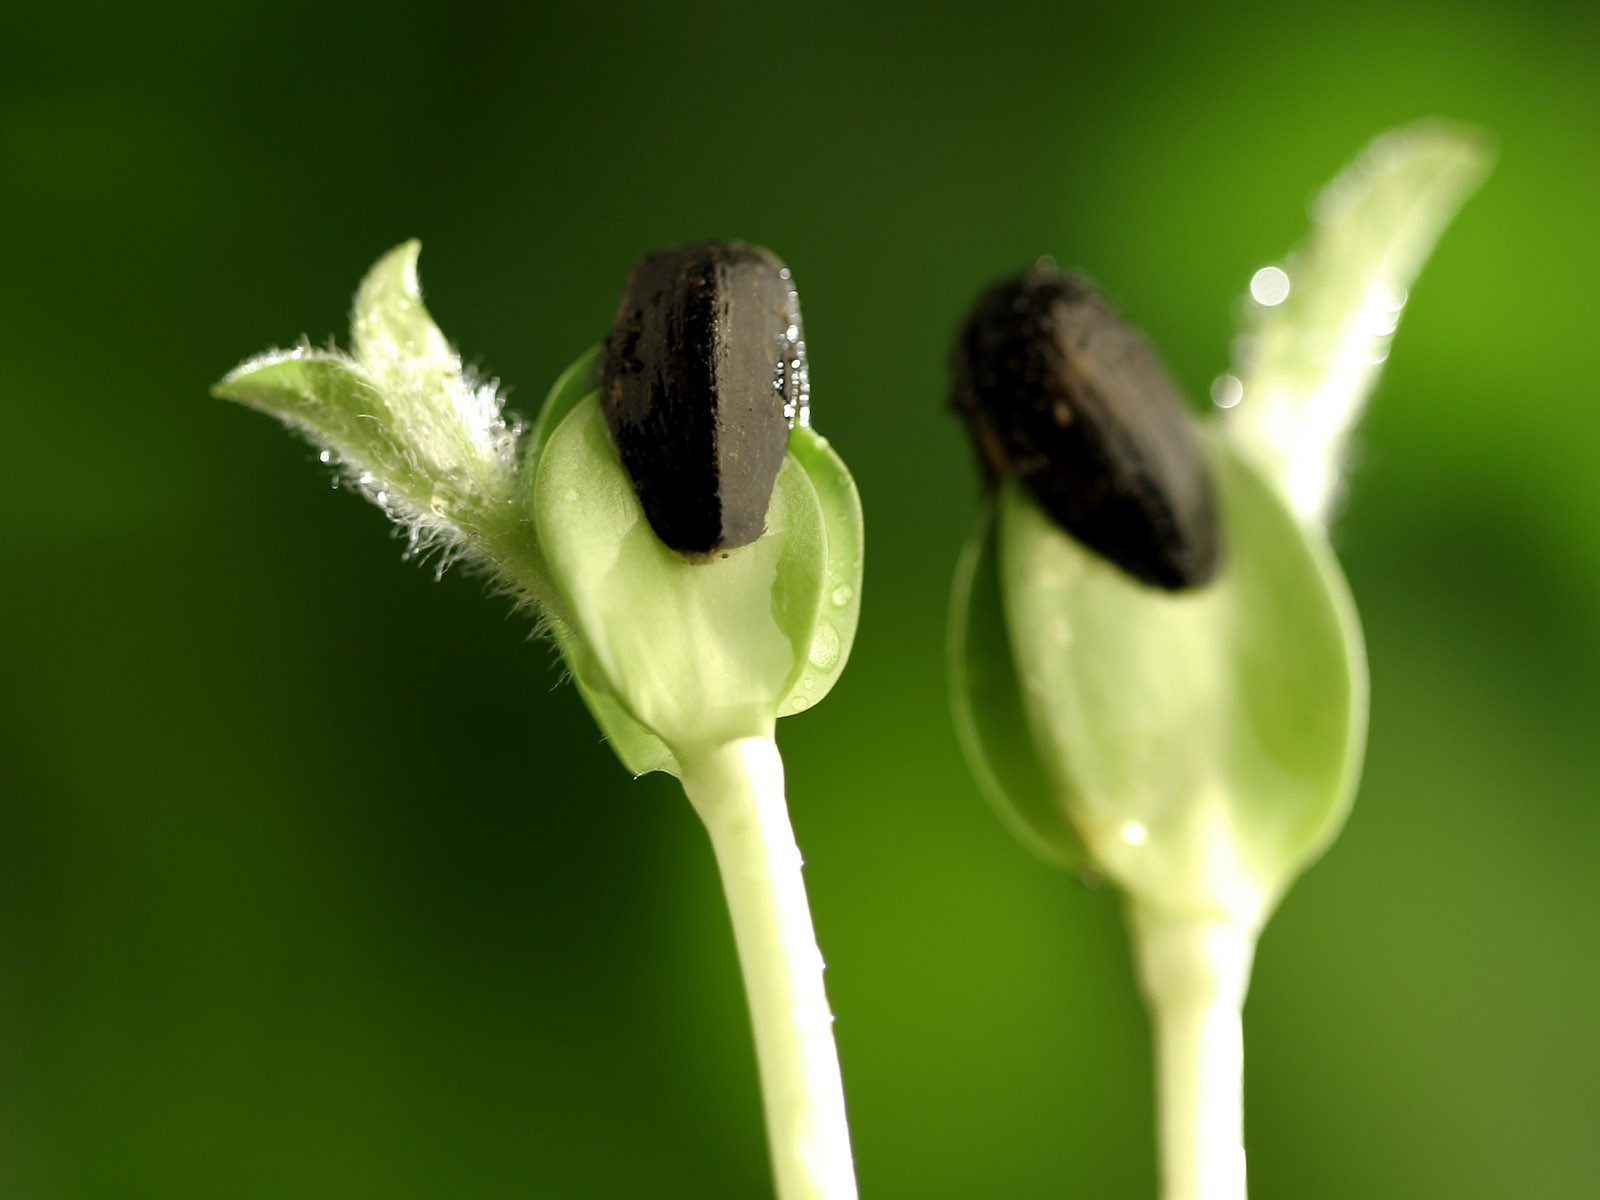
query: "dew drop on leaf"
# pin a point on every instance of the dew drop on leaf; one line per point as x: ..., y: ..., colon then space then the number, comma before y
x: 824, y: 652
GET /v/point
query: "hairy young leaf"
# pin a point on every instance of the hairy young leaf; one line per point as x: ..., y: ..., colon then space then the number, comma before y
x: 402, y: 421
x: 391, y: 331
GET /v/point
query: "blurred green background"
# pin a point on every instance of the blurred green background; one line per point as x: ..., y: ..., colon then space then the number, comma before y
x: 315, y: 883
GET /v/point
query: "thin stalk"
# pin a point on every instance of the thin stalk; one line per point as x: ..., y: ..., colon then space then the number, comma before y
x: 738, y: 791
x: 1195, y: 971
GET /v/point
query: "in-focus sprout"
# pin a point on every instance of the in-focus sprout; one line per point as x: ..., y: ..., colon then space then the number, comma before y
x: 1157, y: 671
x: 693, y: 547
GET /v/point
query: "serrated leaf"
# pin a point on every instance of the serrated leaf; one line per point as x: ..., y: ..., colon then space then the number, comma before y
x: 991, y: 722
x: 1207, y: 742
x: 1306, y: 361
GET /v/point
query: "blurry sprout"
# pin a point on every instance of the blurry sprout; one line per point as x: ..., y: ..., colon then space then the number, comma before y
x: 685, y: 657
x: 1194, y: 737
x: 1317, y: 329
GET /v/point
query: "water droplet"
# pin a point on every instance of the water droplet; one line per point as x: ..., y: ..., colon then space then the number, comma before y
x: 842, y: 595
x: 326, y: 456
x: 799, y: 703
x: 1226, y: 391
x: 808, y: 683
x: 1269, y: 286
x: 824, y: 652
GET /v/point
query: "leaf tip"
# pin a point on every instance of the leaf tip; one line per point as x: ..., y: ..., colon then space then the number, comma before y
x: 233, y: 385
x: 400, y: 260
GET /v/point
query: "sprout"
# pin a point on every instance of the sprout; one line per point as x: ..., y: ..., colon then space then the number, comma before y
x: 685, y: 653
x: 1195, y: 737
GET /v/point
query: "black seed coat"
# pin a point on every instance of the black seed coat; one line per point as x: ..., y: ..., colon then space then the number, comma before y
x: 1057, y: 390
x: 704, y: 371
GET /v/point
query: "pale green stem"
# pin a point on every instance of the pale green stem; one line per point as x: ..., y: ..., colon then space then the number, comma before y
x: 738, y: 791
x: 1194, y: 971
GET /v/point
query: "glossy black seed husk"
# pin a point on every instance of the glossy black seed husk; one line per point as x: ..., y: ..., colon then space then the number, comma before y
x: 1057, y: 390
x: 701, y: 362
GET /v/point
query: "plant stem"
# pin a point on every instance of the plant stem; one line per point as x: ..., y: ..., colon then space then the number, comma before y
x: 737, y: 789
x: 1195, y: 971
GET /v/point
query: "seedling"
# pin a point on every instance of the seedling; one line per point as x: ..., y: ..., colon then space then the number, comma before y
x: 685, y: 651
x: 1177, y: 707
